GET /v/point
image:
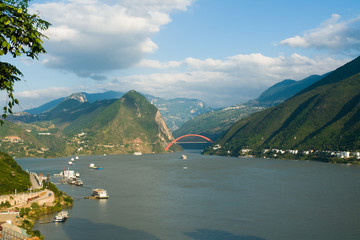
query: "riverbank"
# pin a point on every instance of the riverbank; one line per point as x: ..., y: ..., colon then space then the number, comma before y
x: 350, y: 158
x: 22, y: 210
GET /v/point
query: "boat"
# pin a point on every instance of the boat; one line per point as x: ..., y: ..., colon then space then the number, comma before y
x: 77, y: 157
x: 183, y: 157
x: 71, y: 180
x: 137, y: 153
x: 92, y: 165
x: 100, y: 193
x: 78, y: 182
x: 95, y: 167
x: 72, y: 159
x: 67, y: 174
x: 70, y: 163
x: 61, y: 216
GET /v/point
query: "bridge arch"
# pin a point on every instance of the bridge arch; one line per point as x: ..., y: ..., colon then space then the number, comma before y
x: 187, y: 135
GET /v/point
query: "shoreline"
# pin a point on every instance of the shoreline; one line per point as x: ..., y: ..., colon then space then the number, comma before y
x: 24, y: 215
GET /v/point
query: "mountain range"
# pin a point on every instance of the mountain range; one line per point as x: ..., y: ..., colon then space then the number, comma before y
x: 76, y: 126
x: 213, y: 124
x: 174, y: 111
x: 325, y: 116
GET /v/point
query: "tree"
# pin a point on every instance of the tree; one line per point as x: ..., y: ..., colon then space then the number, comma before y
x: 20, y: 33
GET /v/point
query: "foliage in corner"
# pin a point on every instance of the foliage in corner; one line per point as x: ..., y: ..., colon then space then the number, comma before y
x: 20, y: 33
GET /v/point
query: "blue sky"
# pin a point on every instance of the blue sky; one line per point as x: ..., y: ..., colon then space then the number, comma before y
x: 222, y: 52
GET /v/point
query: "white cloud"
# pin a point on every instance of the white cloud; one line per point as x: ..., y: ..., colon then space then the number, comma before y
x: 52, y: 92
x: 332, y: 34
x: 34, y: 98
x: 233, y: 80
x: 219, y: 82
x: 89, y: 37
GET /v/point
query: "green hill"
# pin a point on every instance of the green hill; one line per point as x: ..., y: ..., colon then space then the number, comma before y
x: 129, y: 124
x: 12, y: 176
x: 174, y: 111
x: 213, y: 124
x: 40, y: 139
x: 125, y: 125
x: 324, y: 116
x: 283, y: 90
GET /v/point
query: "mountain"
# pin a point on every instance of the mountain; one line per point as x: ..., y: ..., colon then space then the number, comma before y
x: 174, y: 111
x: 32, y: 139
x: 127, y: 125
x: 76, y: 126
x: 215, y: 123
x: 283, y: 90
x: 178, y: 111
x: 81, y: 97
x: 323, y: 116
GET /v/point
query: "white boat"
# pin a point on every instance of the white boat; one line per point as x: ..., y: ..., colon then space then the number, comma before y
x: 70, y: 163
x: 72, y: 159
x: 61, y: 216
x: 92, y: 165
x: 183, y: 157
x: 77, y: 157
x: 137, y: 153
x: 100, y: 193
x: 68, y: 174
x: 78, y: 182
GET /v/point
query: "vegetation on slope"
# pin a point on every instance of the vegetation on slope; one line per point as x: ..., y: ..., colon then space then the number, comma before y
x: 283, y: 90
x: 112, y: 126
x: 215, y: 123
x: 130, y: 122
x: 325, y: 116
x: 12, y: 176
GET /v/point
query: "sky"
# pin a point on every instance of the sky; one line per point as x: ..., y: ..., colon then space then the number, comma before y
x: 221, y: 52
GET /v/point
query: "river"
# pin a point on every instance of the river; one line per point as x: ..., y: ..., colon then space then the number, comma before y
x: 220, y: 198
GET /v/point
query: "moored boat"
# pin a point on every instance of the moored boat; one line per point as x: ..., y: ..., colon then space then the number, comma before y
x: 61, y: 216
x: 78, y: 182
x: 100, y: 193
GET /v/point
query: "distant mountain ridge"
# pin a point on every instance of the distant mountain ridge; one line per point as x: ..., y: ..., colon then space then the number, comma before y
x: 174, y: 111
x: 324, y: 116
x: 81, y: 97
x: 283, y: 90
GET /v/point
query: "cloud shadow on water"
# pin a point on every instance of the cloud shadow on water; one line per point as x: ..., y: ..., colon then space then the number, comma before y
x: 85, y: 229
x: 209, y: 234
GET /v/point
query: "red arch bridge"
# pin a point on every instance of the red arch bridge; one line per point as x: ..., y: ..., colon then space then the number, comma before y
x: 188, y: 135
